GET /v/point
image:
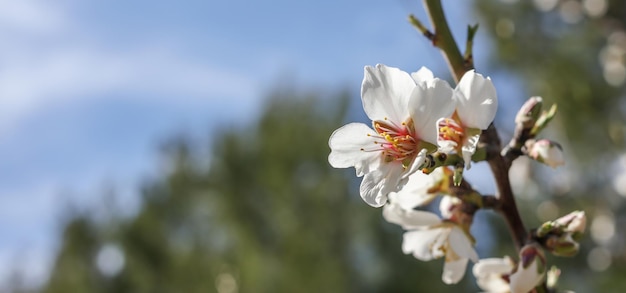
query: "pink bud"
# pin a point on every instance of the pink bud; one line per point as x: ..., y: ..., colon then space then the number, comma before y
x: 529, y: 113
x: 547, y: 152
x: 573, y: 222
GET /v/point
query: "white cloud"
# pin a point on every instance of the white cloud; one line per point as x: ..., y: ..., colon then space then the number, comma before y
x: 32, y: 16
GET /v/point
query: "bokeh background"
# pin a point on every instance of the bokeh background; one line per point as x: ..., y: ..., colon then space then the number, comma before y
x: 180, y: 146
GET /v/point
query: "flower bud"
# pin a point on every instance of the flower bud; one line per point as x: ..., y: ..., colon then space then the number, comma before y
x: 553, y: 277
x: 529, y: 113
x: 573, y: 222
x: 563, y: 245
x: 530, y: 270
x: 547, y: 152
x: 543, y: 120
x: 561, y: 235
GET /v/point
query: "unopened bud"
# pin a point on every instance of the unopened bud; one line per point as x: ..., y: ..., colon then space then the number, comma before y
x: 547, y: 152
x: 563, y: 245
x: 553, y: 277
x: 530, y: 270
x: 529, y: 113
x: 543, y: 120
x: 573, y: 222
x: 545, y: 229
x: 561, y: 235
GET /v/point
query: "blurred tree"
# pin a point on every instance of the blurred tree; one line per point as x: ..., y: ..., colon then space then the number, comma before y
x: 265, y: 213
x: 572, y: 53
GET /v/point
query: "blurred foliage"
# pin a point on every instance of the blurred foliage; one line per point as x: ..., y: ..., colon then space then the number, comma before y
x: 561, y: 55
x: 266, y: 213
x: 572, y: 53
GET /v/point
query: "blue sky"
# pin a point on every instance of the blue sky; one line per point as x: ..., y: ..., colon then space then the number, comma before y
x: 88, y: 89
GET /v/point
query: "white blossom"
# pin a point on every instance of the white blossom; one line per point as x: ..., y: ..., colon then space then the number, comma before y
x: 428, y: 237
x: 476, y: 105
x: 404, y: 109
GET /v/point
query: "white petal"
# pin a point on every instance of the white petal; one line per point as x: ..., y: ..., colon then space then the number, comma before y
x: 423, y: 76
x: 524, y: 280
x: 346, y: 144
x: 447, y: 205
x: 493, y: 284
x: 426, y: 244
x: 477, y: 100
x: 416, y: 164
x: 498, y: 266
x: 385, y: 92
x: 415, y: 192
x: 468, y: 150
x: 428, y: 104
x: 453, y: 271
x: 461, y: 245
x: 377, y: 184
x: 408, y: 218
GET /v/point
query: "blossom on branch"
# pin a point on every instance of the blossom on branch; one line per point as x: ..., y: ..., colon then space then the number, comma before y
x: 429, y: 237
x: 404, y: 109
x: 476, y: 105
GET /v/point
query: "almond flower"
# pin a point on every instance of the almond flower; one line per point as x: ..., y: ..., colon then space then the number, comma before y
x: 404, y: 109
x: 476, y: 105
x: 429, y: 237
x: 502, y: 275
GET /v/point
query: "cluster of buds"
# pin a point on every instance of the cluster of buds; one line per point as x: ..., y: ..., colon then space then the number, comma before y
x: 561, y: 236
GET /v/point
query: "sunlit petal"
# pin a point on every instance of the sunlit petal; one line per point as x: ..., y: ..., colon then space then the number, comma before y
x: 425, y: 245
x: 348, y: 146
x: 408, y: 218
x: 422, y: 76
x: 461, y: 244
x: 385, y: 93
x: 477, y: 100
x: 428, y: 104
x: 453, y: 271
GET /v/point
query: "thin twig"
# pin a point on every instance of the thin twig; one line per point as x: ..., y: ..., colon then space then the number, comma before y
x: 420, y: 27
x: 444, y: 39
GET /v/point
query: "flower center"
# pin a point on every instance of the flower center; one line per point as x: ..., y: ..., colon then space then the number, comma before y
x: 397, y: 142
x: 452, y: 131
